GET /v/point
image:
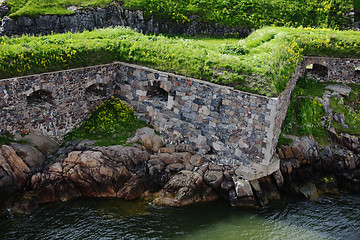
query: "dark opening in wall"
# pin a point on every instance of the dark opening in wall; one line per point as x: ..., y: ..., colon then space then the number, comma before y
x: 156, y: 93
x: 40, y: 97
x: 316, y: 72
x: 96, y: 91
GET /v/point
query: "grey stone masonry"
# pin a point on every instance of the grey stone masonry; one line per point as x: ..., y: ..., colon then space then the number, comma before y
x: 239, y: 128
x: 327, y: 69
x: 236, y: 126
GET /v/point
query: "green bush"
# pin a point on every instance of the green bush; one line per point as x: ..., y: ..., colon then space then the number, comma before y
x: 309, y: 116
x: 112, y: 123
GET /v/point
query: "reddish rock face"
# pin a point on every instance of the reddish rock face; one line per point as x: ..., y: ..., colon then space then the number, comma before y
x: 185, y: 188
x: 15, y: 172
x: 175, y: 177
x: 100, y: 172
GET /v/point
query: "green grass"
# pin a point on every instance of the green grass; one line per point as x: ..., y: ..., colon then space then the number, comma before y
x: 248, y: 13
x: 304, y: 117
x: 305, y: 114
x: 283, y: 141
x: 261, y: 63
x: 34, y: 8
x: 351, y: 110
x: 8, y: 138
x: 5, y: 140
x: 309, y: 88
x: 111, y: 124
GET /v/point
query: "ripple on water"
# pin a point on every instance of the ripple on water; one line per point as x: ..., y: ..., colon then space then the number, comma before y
x: 329, y: 217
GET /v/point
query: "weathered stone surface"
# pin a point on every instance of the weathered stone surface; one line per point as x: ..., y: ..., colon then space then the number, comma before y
x: 131, y: 157
x: 184, y: 188
x: 133, y: 188
x: 184, y: 148
x: 45, y: 144
x: 147, y: 137
x: 309, y: 191
x: 244, y: 195
x: 156, y: 175
x: 262, y: 198
x: 341, y: 89
x: 30, y: 155
x: 279, y: 179
x: 14, y: 173
x: 167, y: 150
x: 268, y: 188
x: 100, y: 172
x: 196, y: 160
x: 350, y: 180
x: 214, y: 178
x: 175, y: 167
x: 179, y: 157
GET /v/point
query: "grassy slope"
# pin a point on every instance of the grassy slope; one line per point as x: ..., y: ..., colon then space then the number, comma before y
x: 250, y: 13
x: 261, y: 63
x: 59, y: 7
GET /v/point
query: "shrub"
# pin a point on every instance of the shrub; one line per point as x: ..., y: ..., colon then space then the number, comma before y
x: 111, y: 123
x: 309, y: 116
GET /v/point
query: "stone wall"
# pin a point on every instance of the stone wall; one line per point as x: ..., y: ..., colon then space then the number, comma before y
x: 227, y: 125
x: 114, y: 15
x: 52, y: 103
x: 221, y: 123
x: 333, y: 69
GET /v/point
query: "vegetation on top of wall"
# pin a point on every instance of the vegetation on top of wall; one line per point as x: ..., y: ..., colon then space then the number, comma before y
x: 240, y: 13
x: 261, y: 63
x: 250, y: 13
x: 34, y: 8
x: 113, y: 122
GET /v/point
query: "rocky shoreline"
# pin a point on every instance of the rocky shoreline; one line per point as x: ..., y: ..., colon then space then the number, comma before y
x: 166, y: 175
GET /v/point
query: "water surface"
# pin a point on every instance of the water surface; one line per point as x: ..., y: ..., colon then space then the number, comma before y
x: 329, y: 217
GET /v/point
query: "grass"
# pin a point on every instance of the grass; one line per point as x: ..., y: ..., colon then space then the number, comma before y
x: 309, y: 88
x: 8, y: 138
x: 240, y: 13
x: 306, y: 116
x: 111, y: 124
x: 5, y: 140
x: 284, y: 141
x: 261, y: 63
x: 351, y: 110
x: 34, y: 8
